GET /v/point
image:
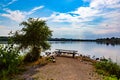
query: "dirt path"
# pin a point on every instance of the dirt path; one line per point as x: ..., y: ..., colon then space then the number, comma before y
x: 67, y: 69
x: 63, y: 69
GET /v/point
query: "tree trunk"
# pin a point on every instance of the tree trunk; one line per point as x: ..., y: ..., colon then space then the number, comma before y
x: 33, y: 55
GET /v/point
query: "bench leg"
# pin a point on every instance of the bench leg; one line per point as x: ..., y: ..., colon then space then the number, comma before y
x: 73, y: 55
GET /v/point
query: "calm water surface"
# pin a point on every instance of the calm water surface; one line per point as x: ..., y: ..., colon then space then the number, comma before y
x: 89, y: 48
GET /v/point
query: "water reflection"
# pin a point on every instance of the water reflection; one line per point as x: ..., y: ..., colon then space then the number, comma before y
x: 89, y: 48
x: 108, y: 44
x: 108, y: 53
x: 3, y: 42
x: 61, y: 42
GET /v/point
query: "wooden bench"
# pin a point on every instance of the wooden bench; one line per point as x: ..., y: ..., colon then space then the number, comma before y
x: 60, y: 51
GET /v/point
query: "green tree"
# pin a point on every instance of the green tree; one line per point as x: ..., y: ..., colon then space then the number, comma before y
x: 33, y: 35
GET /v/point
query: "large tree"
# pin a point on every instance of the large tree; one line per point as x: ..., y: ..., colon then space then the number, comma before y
x: 33, y: 35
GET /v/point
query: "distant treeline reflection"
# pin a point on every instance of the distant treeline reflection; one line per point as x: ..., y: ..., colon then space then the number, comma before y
x: 3, y: 38
x: 108, y: 41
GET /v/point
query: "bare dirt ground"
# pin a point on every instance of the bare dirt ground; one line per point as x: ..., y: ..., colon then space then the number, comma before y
x: 63, y: 69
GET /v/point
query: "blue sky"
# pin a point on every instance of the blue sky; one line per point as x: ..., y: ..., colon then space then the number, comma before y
x: 84, y: 19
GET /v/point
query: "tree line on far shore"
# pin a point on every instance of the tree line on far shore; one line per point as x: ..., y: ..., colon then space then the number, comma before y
x: 113, y: 40
x: 4, y: 38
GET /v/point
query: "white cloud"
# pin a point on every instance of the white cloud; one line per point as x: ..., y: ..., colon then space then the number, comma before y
x: 97, y: 8
x: 4, y: 31
x: 97, y: 4
x: 105, y: 31
x: 9, y: 3
x: 85, y: 12
x: 110, y: 25
x: 66, y: 32
x: 18, y: 15
x: 113, y: 16
x: 106, y: 27
x: 105, y: 3
x: 62, y: 17
x: 82, y: 14
x: 67, y: 17
x: 80, y: 17
x: 34, y: 9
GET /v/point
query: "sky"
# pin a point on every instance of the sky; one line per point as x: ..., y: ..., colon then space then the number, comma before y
x: 81, y: 19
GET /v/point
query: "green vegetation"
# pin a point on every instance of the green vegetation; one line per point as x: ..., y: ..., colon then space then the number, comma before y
x: 109, y: 69
x: 10, y: 59
x: 34, y: 35
x: 110, y: 78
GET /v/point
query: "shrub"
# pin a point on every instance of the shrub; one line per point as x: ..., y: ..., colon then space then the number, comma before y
x: 9, y: 60
x: 33, y: 55
x: 109, y: 67
x: 110, y: 78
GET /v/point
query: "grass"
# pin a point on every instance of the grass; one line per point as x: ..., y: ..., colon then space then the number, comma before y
x: 109, y: 69
x: 110, y: 78
x: 10, y: 59
x: 32, y: 65
x: 11, y: 62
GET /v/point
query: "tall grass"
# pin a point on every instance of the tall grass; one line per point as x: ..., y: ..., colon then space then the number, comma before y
x: 108, y: 68
x: 10, y: 59
x: 111, y: 78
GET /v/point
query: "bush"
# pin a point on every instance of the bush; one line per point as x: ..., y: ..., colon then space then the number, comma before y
x: 110, y: 78
x: 10, y: 59
x: 109, y: 67
x: 33, y: 55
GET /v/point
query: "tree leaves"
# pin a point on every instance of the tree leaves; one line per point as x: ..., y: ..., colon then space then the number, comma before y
x: 35, y: 33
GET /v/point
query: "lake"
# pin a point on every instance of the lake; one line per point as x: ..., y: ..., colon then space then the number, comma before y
x: 88, y: 48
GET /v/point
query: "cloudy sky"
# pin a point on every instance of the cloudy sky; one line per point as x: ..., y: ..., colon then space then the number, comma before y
x: 84, y: 19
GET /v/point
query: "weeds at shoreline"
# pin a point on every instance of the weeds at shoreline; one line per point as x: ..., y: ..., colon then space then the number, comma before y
x: 10, y: 59
x: 109, y: 69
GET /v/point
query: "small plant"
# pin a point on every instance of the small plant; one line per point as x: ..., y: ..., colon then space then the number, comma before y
x: 110, y: 78
x: 51, y: 59
x: 108, y: 68
x: 10, y: 59
x: 102, y: 72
